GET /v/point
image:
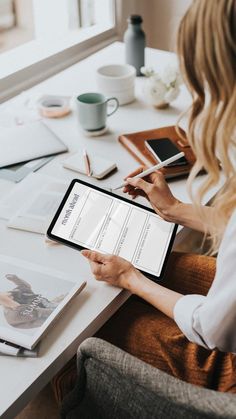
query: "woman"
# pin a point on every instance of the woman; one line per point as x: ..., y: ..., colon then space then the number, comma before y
x: 207, y: 51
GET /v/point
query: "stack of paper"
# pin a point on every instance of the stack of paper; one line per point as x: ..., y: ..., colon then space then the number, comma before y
x: 31, y: 205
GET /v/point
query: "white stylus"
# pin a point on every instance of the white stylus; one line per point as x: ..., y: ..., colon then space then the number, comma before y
x: 153, y: 168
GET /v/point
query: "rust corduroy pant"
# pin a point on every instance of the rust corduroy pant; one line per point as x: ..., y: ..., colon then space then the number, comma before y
x: 143, y: 331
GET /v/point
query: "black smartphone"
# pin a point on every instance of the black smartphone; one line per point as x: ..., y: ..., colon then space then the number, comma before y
x: 163, y: 148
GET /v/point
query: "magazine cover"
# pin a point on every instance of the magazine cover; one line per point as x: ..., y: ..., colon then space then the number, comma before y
x: 31, y: 297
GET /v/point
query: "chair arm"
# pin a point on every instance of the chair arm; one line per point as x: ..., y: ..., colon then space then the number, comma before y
x: 113, y: 384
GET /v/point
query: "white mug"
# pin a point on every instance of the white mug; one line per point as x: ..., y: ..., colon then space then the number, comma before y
x: 117, y: 80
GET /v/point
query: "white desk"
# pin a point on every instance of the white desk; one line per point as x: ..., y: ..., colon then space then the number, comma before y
x: 22, y: 379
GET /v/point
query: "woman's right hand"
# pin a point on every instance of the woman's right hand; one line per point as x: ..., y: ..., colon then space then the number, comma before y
x: 155, y: 188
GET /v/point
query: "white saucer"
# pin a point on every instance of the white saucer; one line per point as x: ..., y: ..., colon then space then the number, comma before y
x: 95, y: 133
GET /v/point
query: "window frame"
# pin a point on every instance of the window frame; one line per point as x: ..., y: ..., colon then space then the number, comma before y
x: 24, y: 78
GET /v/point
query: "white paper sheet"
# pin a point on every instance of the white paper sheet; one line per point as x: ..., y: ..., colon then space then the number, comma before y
x: 31, y: 205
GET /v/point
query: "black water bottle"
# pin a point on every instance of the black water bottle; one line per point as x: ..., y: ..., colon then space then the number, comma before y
x: 134, y: 39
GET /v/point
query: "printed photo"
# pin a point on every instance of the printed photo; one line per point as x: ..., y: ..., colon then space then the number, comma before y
x: 28, y: 297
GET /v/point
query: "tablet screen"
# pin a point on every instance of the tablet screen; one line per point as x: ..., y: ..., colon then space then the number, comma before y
x: 92, y: 219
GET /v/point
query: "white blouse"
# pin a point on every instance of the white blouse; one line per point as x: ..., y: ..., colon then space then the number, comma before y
x: 211, y: 321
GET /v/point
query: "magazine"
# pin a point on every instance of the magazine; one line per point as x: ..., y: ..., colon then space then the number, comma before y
x: 31, y: 298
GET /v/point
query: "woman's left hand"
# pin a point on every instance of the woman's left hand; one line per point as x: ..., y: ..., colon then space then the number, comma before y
x: 112, y: 269
x: 117, y: 271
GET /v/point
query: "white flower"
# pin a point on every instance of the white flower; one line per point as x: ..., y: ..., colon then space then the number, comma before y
x: 147, y: 71
x: 162, y: 87
x: 169, y: 74
x: 179, y: 80
x: 172, y: 94
x: 155, y: 91
x: 156, y: 77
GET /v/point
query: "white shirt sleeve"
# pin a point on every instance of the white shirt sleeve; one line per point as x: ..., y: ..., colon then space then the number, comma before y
x: 211, y: 321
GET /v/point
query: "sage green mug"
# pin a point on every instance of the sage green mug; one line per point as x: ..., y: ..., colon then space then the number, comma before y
x: 92, y: 110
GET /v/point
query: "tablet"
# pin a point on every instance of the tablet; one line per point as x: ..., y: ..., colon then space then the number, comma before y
x: 92, y: 218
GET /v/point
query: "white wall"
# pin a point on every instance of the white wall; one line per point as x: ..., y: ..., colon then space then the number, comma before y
x: 164, y: 16
x: 161, y: 19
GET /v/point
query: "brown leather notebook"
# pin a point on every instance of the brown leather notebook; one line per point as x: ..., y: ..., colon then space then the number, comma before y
x: 135, y: 144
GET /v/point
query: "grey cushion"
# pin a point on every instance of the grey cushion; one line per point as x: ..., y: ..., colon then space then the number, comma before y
x: 113, y: 384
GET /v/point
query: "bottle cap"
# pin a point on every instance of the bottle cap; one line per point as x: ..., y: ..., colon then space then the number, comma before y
x: 135, y: 19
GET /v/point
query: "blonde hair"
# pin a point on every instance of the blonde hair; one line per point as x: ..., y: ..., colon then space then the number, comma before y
x: 207, y: 51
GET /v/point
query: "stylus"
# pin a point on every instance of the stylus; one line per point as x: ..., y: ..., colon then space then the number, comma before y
x: 153, y: 168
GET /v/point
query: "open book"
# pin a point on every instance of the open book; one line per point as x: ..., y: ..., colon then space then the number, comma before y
x: 31, y: 298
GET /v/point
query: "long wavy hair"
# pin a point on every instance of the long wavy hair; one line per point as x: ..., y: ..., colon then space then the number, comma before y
x: 207, y: 53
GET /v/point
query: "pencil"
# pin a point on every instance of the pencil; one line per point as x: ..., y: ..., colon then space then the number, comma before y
x: 153, y: 169
x: 87, y: 163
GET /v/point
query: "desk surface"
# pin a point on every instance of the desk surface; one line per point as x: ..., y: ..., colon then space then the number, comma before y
x: 22, y: 379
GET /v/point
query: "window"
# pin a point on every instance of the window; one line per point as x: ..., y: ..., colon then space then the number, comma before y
x: 93, y: 12
x: 34, y: 30
x: 25, y: 20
